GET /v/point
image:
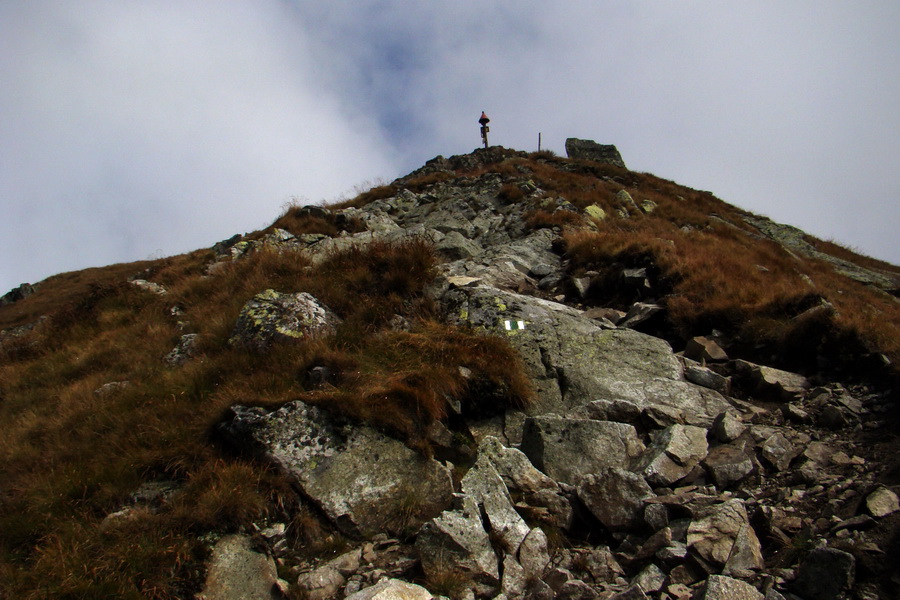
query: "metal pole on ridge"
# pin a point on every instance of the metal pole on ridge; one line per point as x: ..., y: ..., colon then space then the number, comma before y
x: 484, y: 128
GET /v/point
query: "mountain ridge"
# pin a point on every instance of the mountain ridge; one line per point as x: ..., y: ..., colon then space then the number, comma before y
x: 469, y: 300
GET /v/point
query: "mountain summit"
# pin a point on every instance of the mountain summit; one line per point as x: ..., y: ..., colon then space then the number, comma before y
x: 506, y: 374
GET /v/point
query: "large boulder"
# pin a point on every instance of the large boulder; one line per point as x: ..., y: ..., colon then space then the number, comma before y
x: 569, y: 449
x: 574, y: 360
x: 363, y: 480
x: 271, y: 317
x: 591, y: 150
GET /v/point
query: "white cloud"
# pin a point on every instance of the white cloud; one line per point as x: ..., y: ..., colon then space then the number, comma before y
x: 178, y: 124
x: 132, y: 129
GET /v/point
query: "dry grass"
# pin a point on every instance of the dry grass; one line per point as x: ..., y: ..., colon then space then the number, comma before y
x: 72, y: 456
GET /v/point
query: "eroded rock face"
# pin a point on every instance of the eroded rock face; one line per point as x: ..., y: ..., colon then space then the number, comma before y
x: 271, y: 317
x: 365, y: 481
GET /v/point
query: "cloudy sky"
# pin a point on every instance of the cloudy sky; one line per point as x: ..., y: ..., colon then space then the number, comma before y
x: 131, y: 130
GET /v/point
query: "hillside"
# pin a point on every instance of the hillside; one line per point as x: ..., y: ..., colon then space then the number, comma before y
x: 504, y: 372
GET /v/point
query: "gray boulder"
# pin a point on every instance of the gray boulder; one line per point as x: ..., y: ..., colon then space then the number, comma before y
x: 591, y: 150
x: 568, y: 449
x: 616, y: 497
x: 573, y: 360
x: 363, y: 480
x: 272, y: 317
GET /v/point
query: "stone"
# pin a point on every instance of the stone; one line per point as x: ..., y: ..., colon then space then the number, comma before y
x: 650, y: 579
x: 825, y: 574
x: 455, y: 246
x: 595, y: 212
x: 392, y: 589
x: 514, y: 580
x: 149, y: 286
x: 591, y: 150
x: 576, y: 589
x: 602, y: 565
x: 722, y: 533
x: 779, y: 451
x: 567, y: 449
x: 638, y: 313
x: 727, y: 427
x: 675, y: 451
x: 513, y: 466
x: 237, y: 572
x: 773, y: 384
x: 457, y: 544
x: 271, y: 317
x: 708, y: 378
x: 728, y: 465
x: 16, y: 294
x: 626, y: 202
x: 363, y: 480
x: 633, y: 592
x: 321, y: 583
x: 616, y: 497
x: 720, y: 587
x: 483, y: 485
x: 184, y: 351
x: 621, y: 411
x: 703, y: 349
x: 534, y: 553
x: 882, y: 502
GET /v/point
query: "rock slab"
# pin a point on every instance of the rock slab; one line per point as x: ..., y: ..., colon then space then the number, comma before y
x: 364, y: 481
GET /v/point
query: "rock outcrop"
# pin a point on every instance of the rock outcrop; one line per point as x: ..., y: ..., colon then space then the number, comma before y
x: 365, y: 481
x: 591, y: 150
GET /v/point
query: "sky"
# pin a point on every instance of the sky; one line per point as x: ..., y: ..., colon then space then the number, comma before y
x: 135, y: 130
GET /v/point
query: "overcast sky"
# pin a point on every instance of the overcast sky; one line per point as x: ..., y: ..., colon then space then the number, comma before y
x: 131, y: 130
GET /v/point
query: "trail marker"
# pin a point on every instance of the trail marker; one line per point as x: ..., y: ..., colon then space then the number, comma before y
x: 484, y: 127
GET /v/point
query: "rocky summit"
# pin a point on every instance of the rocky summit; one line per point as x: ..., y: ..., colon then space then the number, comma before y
x: 505, y: 375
